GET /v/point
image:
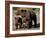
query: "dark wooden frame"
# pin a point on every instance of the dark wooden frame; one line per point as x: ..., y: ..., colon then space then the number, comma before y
x: 7, y: 18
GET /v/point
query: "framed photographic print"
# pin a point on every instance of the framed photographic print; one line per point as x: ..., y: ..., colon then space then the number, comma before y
x: 24, y: 18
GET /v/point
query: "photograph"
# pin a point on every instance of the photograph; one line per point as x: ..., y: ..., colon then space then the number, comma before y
x: 26, y: 18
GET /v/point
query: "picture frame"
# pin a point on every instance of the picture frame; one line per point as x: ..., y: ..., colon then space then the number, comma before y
x: 8, y: 21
